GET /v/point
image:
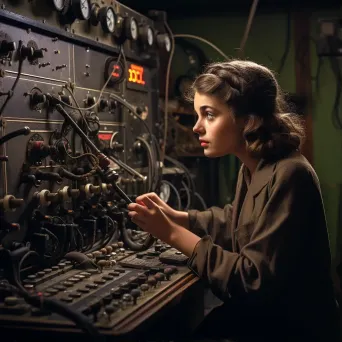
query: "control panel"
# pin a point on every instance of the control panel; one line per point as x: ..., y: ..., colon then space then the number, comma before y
x: 79, y: 140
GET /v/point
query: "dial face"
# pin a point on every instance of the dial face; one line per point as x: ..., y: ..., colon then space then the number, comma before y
x: 150, y: 37
x: 110, y: 20
x: 165, y: 192
x: 134, y: 29
x: 85, y: 9
x: 167, y: 42
x: 59, y: 4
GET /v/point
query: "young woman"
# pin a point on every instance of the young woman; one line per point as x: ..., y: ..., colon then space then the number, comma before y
x: 267, y: 255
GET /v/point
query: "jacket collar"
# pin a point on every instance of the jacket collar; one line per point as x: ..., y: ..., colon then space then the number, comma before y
x: 261, y: 176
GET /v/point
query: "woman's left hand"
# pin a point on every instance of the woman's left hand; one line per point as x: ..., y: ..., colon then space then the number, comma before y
x: 150, y: 217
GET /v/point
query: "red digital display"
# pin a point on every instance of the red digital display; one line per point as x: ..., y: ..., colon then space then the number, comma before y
x: 136, y: 74
x: 105, y: 136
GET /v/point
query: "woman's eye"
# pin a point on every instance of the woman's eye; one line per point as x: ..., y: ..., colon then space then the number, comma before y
x: 210, y: 116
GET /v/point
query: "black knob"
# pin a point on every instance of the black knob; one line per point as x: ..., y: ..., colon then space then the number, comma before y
x: 135, y: 293
x: 38, y: 53
x: 6, y: 47
x: 144, y: 287
x: 116, y: 293
x: 160, y: 276
x: 125, y: 287
x: 127, y: 298
x: 107, y: 299
x: 26, y: 52
x: 37, y: 98
x: 91, y: 100
x: 113, y: 105
x: 104, y: 104
x: 139, y: 110
x: 66, y: 99
x: 157, y: 247
x: 152, y: 281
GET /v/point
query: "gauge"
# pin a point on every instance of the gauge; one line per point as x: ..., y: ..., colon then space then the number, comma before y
x: 82, y: 9
x: 132, y: 29
x: 167, y: 42
x: 164, y: 41
x: 146, y: 34
x: 150, y: 36
x: 165, y: 192
x: 107, y: 18
x: 59, y: 4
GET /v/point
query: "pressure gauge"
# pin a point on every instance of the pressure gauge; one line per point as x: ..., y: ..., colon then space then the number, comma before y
x: 164, y: 41
x: 132, y: 28
x: 167, y: 41
x: 146, y: 35
x: 107, y: 18
x: 165, y: 192
x: 59, y: 5
x: 150, y: 36
x: 82, y: 9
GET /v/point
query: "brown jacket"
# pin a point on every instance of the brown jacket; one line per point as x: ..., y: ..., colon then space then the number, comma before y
x: 267, y: 257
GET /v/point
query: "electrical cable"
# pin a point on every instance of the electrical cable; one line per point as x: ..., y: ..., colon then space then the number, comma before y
x: 11, y: 92
x: 252, y: 11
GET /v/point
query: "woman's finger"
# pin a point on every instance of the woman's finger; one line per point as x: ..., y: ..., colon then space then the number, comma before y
x: 141, y: 209
x: 150, y: 204
x: 152, y: 195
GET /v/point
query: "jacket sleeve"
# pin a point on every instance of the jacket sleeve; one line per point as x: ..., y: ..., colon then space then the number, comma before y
x: 268, y: 255
x: 215, y: 222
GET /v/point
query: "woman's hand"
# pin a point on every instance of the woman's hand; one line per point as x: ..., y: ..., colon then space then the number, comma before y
x: 179, y: 217
x: 150, y: 217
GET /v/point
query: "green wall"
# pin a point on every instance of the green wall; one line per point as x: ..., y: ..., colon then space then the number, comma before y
x: 265, y: 45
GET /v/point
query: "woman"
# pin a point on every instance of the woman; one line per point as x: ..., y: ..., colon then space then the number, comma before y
x: 267, y: 255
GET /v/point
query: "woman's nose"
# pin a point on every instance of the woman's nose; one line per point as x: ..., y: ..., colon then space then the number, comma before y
x: 198, y: 128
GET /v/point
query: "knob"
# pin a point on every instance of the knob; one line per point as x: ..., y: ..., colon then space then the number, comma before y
x: 113, y: 105
x: 38, y: 53
x: 104, y: 104
x: 144, y: 288
x: 127, y: 298
x: 94, y: 14
x: 66, y: 99
x: 152, y: 281
x: 6, y: 47
x: 139, y: 110
x: 36, y: 99
x: 135, y: 293
x: 9, y: 203
x: 26, y: 52
x: 91, y: 100
x: 164, y: 42
x: 160, y: 276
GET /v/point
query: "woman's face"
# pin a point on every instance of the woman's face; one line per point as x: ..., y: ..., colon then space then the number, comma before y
x: 219, y: 132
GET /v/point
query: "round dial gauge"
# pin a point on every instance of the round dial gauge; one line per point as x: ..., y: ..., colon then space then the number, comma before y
x: 167, y: 42
x: 150, y: 36
x: 108, y: 19
x: 133, y: 29
x: 82, y: 9
x: 85, y: 9
x: 165, y: 192
x: 59, y: 4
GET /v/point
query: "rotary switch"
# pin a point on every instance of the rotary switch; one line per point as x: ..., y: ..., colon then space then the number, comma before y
x: 6, y: 47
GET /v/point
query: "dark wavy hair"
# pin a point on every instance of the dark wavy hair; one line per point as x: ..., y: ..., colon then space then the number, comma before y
x: 252, y: 91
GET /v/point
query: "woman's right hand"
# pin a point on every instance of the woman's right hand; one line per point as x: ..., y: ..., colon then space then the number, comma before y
x: 179, y: 217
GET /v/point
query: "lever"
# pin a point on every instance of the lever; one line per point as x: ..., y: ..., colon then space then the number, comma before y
x: 103, y: 160
x: 127, y: 168
x: 23, y: 131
